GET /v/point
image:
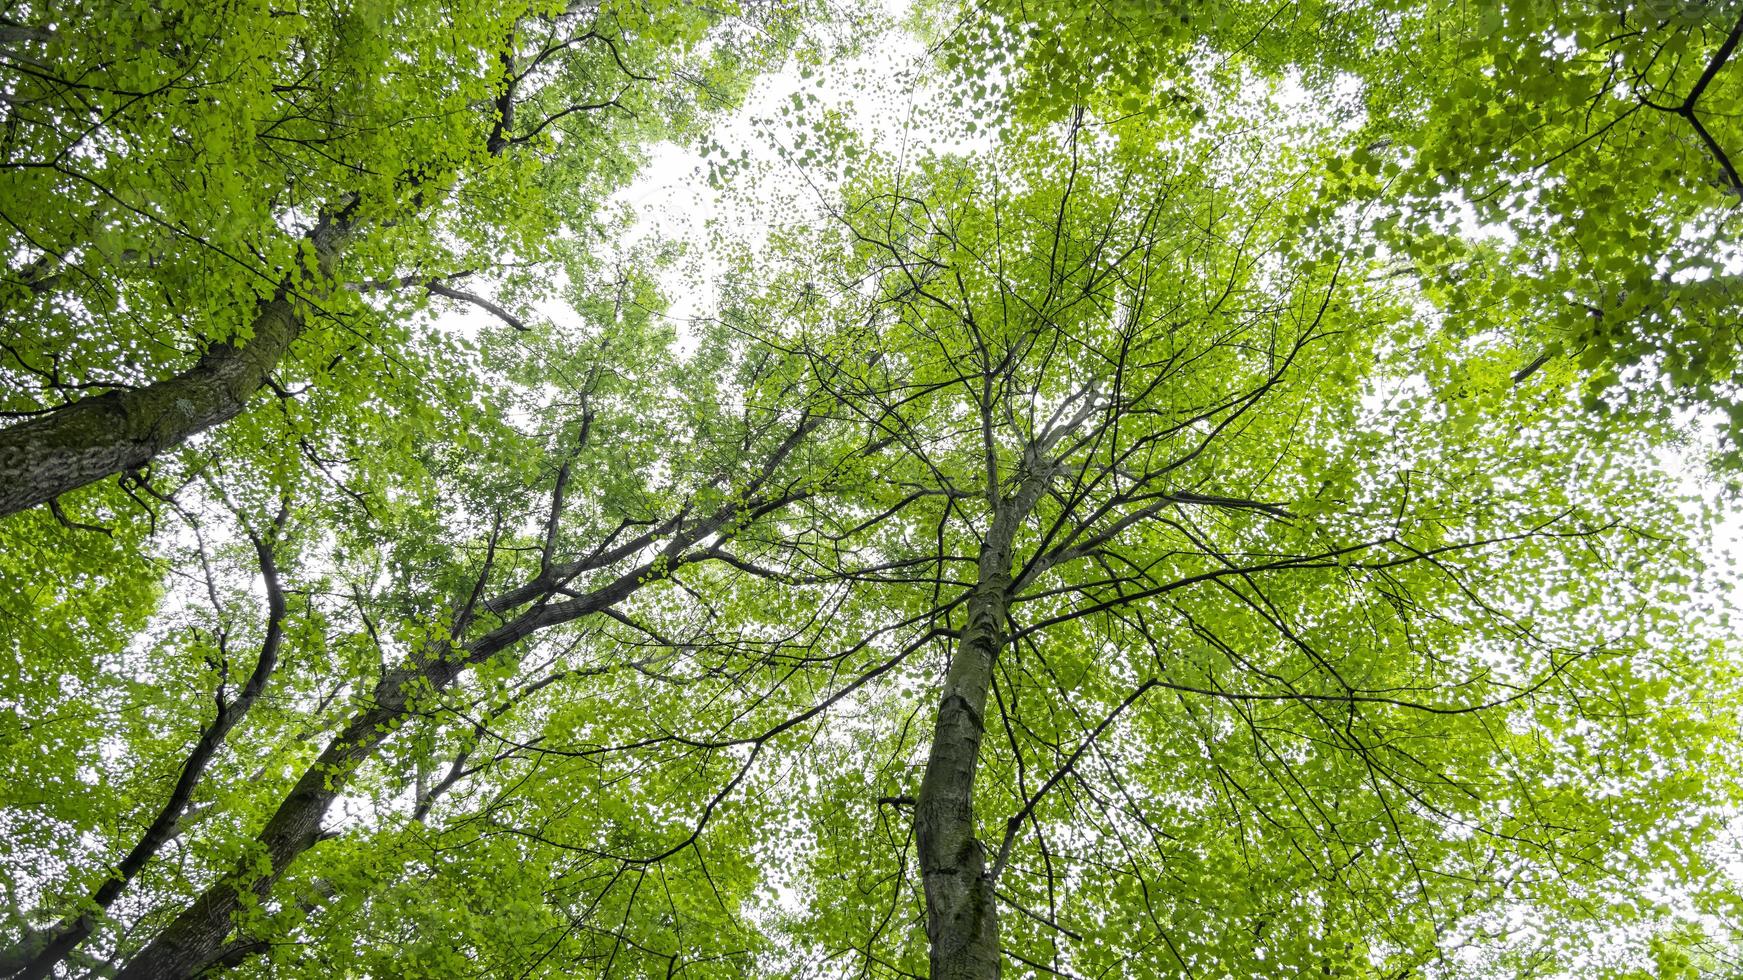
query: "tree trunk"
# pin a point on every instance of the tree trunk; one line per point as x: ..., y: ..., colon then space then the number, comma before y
x: 962, y: 922
x: 195, y: 940
x: 962, y: 913
x: 189, y: 943
x: 36, y: 955
x: 105, y: 435
x: 102, y: 436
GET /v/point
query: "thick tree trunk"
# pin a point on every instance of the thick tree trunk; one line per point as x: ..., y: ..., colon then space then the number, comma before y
x: 121, y: 431
x: 196, y: 938
x: 105, y: 435
x: 36, y: 956
x: 962, y: 922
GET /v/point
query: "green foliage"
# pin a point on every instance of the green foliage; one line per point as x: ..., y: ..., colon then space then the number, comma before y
x: 1462, y: 705
x: 1319, y: 366
x: 1564, y: 172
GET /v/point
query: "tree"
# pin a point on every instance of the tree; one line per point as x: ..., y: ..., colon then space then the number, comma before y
x: 1566, y: 171
x: 202, y: 188
x: 377, y: 659
x: 1079, y: 553
x: 1202, y: 604
x: 168, y: 223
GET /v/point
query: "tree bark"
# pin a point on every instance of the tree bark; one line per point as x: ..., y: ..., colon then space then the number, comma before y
x: 962, y: 914
x: 35, y: 957
x: 197, y: 935
x: 962, y: 924
x: 105, y: 435
x: 196, y: 938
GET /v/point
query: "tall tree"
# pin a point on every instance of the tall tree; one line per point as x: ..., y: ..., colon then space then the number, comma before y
x: 190, y: 193
x: 210, y: 143
x: 1091, y: 552
x: 383, y: 636
x: 1566, y: 171
x: 1249, y: 660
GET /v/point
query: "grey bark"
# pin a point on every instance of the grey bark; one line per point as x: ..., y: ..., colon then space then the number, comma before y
x: 962, y: 923
x: 962, y: 919
x: 36, y: 955
x: 962, y: 916
x: 106, y: 435
x: 196, y: 938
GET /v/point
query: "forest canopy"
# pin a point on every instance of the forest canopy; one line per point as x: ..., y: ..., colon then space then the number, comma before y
x: 647, y: 489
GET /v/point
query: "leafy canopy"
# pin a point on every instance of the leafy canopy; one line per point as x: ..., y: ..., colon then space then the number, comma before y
x: 1262, y: 419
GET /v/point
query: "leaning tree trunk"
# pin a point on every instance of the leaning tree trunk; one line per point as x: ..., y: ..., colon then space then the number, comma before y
x: 196, y: 939
x: 105, y: 435
x: 36, y: 956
